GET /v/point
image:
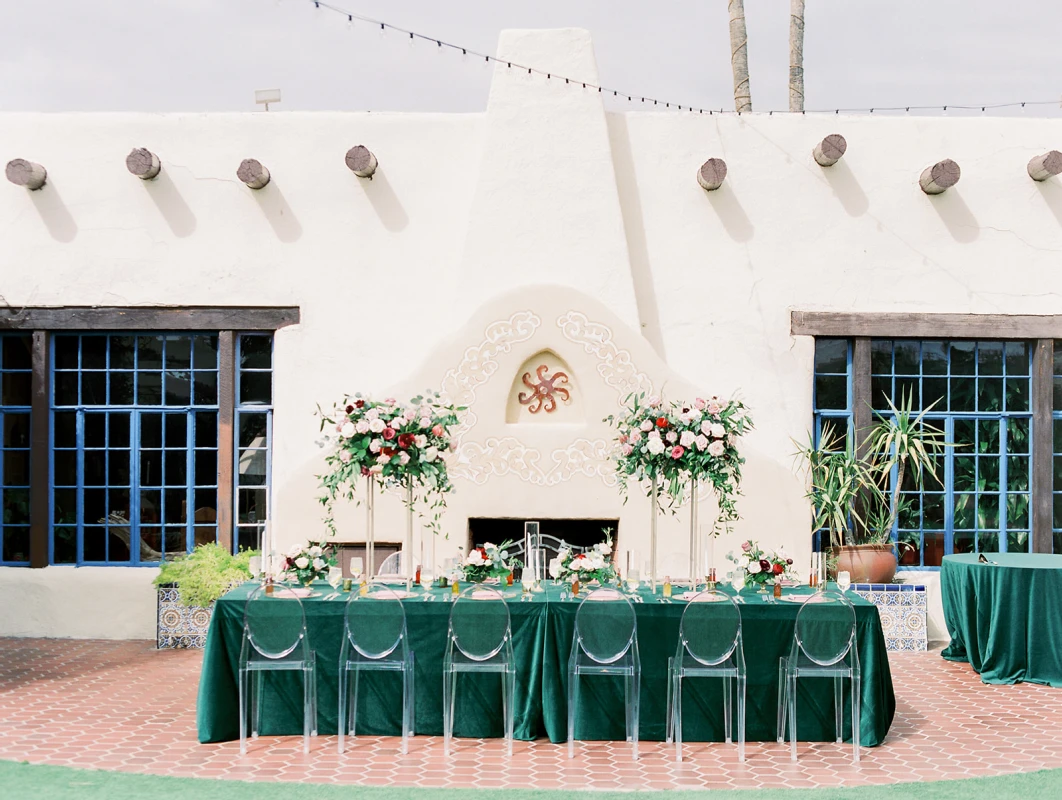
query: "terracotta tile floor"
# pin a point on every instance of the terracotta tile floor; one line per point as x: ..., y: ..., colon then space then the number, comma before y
x: 126, y: 706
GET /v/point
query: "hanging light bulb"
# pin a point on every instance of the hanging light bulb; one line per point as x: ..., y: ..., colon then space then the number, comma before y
x: 350, y: 22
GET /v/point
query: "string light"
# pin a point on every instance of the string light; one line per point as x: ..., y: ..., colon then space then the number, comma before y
x: 487, y: 59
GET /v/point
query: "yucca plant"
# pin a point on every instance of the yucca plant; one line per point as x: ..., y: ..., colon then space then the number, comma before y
x: 836, y: 480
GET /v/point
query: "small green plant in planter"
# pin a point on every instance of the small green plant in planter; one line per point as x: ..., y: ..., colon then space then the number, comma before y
x: 851, y: 496
x: 206, y: 573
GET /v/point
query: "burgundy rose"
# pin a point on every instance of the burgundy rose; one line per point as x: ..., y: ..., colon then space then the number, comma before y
x: 765, y: 565
x: 388, y: 451
x: 364, y: 470
x: 789, y: 562
x: 359, y: 403
x: 389, y: 433
x: 406, y: 440
x: 350, y: 409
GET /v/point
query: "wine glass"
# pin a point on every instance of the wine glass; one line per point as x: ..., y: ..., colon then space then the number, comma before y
x: 254, y: 565
x: 356, y: 566
x: 527, y: 581
x: 335, y: 578
x: 844, y: 581
x: 737, y: 581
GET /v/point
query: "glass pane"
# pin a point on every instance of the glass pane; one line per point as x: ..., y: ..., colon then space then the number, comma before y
x: 151, y: 467
x: 175, y: 502
x: 16, y: 543
x: 16, y: 430
x: 1018, y: 435
x: 123, y: 352
x: 987, y: 511
x: 176, y: 467
x: 252, y: 505
x: 205, y: 534
x: 64, y: 506
x: 206, y: 468
x: 906, y: 390
x: 880, y: 393
x: 94, y: 388
x: 933, y: 548
x: 963, y: 394
x: 17, y: 352
x: 178, y: 353
x: 66, y: 352
x: 988, y: 474
x: 1058, y: 394
x: 988, y: 436
x: 205, y: 352
x: 964, y: 511
x: 64, y: 428
x: 206, y: 388
x: 118, y: 543
x: 1058, y: 473
x: 1018, y: 541
x: 1057, y: 516
x: 95, y: 543
x: 831, y: 355
x: 65, y: 388
x: 16, y: 467
x: 118, y: 467
x: 118, y: 429
x: 95, y: 430
x: 1018, y: 474
x: 15, y: 389
x: 1018, y: 511
x: 151, y: 430
x: 906, y: 358
x: 95, y: 505
x: 178, y: 388
x: 257, y: 387
x: 933, y: 512
x: 988, y: 542
x: 965, y: 475
x: 256, y: 352
x: 1017, y: 394
x: 176, y: 430
x: 118, y: 503
x: 151, y: 537
x: 149, y: 352
x: 122, y: 384
x: 206, y: 502
x: 64, y: 545
x: 934, y: 358
x: 935, y: 393
x: 1017, y: 358
x: 881, y: 356
x: 989, y: 358
x: 252, y: 466
x: 963, y: 360
x: 989, y: 394
x: 65, y: 468
x: 150, y: 506
x: 252, y: 430
x: 16, y: 506
x: 206, y: 429
x: 149, y: 388
x: 93, y: 352
x: 95, y: 468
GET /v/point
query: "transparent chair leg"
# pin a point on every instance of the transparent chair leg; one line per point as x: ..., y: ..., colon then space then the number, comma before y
x: 313, y: 698
x: 856, y: 716
x: 341, y: 728
x: 728, y: 711
x: 678, y: 717
x: 307, y: 706
x: 243, y: 711
x: 838, y: 708
x: 636, y: 700
x: 510, y: 709
x: 783, y: 701
x: 628, y: 709
x: 354, y: 703
x: 257, y: 680
x: 741, y: 716
x: 670, y: 702
x: 792, y: 692
x: 573, y: 701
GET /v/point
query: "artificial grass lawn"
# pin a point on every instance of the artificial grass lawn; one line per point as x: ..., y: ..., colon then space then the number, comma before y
x: 40, y: 782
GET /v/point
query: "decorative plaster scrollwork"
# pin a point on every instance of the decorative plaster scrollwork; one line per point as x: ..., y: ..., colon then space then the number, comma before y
x: 616, y: 366
x: 509, y: 456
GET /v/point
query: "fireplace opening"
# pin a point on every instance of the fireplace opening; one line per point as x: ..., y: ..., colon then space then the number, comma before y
x: 576, y: 532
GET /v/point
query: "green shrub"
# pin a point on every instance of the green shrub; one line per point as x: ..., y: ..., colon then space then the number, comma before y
x: 206, y: 573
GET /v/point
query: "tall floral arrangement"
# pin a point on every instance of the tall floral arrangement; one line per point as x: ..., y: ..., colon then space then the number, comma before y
x: 402, y: 444
x: 675, y: 442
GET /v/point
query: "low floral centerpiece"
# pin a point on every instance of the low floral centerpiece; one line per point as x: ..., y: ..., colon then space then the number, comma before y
x: 489, y: 561
x: 593, y: 565
x: 306, y: 563
x: 673, y: 443
x: 400, y: 444
x: 761, y: 567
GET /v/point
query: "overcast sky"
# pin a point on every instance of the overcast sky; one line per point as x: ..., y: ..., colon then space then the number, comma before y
x: 210, y: 55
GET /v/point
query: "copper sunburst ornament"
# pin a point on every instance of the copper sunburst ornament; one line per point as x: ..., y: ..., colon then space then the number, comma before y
x: 544, y: 394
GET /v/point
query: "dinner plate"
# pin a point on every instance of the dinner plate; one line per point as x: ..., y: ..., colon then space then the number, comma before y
x: 708, y: 598
x: 296, y: 592
x: 482, y: 595
x: 389, y: 594
x: 796, y: 598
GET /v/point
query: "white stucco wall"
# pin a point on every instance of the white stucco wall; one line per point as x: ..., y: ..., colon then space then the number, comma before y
x: 536, y: 205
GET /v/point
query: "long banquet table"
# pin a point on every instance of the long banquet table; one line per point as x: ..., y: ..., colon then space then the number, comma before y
x: 542, y: 639
x: 1003, y: 617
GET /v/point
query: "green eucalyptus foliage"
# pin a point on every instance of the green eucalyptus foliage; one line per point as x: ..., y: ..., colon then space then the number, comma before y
x: 206, y: 573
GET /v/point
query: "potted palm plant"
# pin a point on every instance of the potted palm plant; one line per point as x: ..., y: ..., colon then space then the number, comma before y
x: 858, y: 500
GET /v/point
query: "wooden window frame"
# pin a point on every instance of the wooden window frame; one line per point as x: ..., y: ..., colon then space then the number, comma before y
x: 43, y: 321
x: 1041, y: 330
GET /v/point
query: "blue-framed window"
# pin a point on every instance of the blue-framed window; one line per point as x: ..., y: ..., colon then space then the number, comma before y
x: 15, y: 394
x: 1056, y: 422
x: 134, y: 446
x: 254, y: 437
x: 981, y: 391
x: 833, y: 388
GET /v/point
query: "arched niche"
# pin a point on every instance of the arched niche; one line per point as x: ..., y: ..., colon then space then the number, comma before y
x: 544, y: 391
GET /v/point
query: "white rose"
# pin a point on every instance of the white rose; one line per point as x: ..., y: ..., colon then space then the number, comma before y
x: 361, y: 426
x: 403, y: 458
x: 431, y: 454
x: 420, y: 440
x: 374, y: 446
x: 410, y: 414
x: 302, y: 562
x: 318, y: 564
x: 348, y: 429
x: 706, y: 428
x: 425, y: 423
x: 604, y: 548
x: 687, y: 439
x: 487, y: 562
x: 344, y: 456
x: 294, y: 551
x: 716, y: 448
x: 695, y: 414
x: 718, y: 431
x: 754, y: 567
x: 656, y: 446
x: 315, y: 551
x: 564, y: 552
x: 647, y: 425
x: 672, y: 436
x: 372, y: 414
x: 376, y: 425
x: 653, y: 434
x: 382, y: 458
x: 701, y: 442
x: 376, y: 469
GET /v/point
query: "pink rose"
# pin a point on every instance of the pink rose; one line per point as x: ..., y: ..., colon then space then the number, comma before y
x: 714, y: 408
x: 654, y: 401
x: 438, y: 430
x: 687, y: 438
x: 627, y: 449
x: 411, y: 414
x: 701, y: 442
x: 716, y: 448
x: 389, y: 401
x: 672, y: 436
x: 425, y: 422
x: 362, y: 426
x: 706, y: 428
x: 636, y: 436
x: 699, y: 404
x: 623, y: 438
x: 746, y: 546
x: 344, y: 456
x: 677, y: 451
x: 718, y: 431
x: 389, y: 433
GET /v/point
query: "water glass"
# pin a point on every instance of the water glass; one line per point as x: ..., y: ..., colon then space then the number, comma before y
x: 527, y: 579
x: 634, y: 579
x: 254, y: 564
x: 844, y: 581
x: 335, y: 577
x: 737, y: 581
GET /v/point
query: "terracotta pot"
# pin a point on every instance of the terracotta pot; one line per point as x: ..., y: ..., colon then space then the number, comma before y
x: 867, y: 563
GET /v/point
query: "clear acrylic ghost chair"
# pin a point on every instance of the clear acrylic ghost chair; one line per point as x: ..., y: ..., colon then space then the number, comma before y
x: 709, y: 646
x: 605, y: 642
x: 824, y: 646
x: 479, y: 640
x: 374, y: 638
x: 275, y: 640
x: 391, y: 566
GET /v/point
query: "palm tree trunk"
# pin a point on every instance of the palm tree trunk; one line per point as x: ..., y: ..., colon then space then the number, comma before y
x: 796, y: 55
x: 739, y: 56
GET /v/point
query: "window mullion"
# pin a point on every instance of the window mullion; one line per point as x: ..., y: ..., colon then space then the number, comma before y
x: 1042, y: 441
x: 40, y: 448
x: 226, y: 436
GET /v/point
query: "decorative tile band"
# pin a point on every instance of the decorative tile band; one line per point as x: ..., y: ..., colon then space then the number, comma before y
x: 902, y: 608
x: 178, y: 625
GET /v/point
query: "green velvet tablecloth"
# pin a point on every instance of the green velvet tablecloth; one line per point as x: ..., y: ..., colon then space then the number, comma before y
x: 1005, y: 619
x: 542, y: 639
